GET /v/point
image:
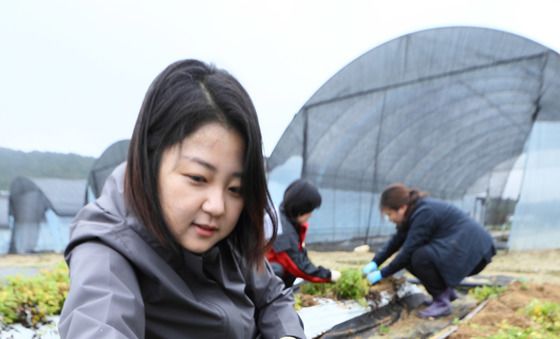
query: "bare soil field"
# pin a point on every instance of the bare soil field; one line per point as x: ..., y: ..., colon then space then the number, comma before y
x: 508, y: 309
x: 537, y: 275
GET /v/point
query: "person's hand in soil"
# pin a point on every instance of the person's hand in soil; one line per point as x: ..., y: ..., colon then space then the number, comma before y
x: 374, y: 277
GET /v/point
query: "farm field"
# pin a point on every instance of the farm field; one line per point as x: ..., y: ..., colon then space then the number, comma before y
x: 538, y: 281
x: 517, y: 312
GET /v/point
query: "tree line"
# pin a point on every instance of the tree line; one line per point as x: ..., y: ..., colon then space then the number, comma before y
x: 41, y: 165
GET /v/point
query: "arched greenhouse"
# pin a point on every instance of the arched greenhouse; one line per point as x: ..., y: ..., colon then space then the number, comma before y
x: 41, y: 210
x: 5, y: 225
x: 102, y: 167
x: 470, y: 115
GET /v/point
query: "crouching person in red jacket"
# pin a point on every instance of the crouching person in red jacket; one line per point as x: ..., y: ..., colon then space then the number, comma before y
x: 288, y: 255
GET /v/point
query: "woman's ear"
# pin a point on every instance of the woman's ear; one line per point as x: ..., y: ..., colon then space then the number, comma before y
x: 402, y: 210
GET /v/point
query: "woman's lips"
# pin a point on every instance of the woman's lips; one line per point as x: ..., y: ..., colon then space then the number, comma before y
x: 205, y: 230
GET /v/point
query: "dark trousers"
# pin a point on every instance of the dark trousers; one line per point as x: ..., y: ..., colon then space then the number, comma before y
x: 422, y: 266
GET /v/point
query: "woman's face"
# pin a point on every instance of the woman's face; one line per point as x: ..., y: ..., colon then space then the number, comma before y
x: 199, y: 186
x: 395, y: 215
x: 303, y: 218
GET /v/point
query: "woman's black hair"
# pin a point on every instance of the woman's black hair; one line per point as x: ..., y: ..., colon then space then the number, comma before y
x: 300, y: 197
x: 187, y: 95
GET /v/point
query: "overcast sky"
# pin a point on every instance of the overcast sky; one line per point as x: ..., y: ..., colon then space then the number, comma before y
x: 73, y: 73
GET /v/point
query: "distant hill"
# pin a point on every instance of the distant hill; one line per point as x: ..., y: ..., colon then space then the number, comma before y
x: 41, y: 164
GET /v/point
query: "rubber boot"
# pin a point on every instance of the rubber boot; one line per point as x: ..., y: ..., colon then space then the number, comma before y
x: 450, y: 292
x: 439, y: 308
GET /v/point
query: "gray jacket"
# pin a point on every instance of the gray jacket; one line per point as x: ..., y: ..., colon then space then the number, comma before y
x: 125, y: 285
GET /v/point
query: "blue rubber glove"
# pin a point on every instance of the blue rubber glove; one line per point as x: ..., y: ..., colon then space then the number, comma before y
x: 372, y: 266
x: 374, y: 277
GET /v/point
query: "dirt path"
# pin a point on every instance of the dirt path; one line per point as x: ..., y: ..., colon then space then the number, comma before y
x: 30, y: 260
x: 28, y: 264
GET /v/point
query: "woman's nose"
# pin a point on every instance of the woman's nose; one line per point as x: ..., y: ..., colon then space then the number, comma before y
x: 214, y: 203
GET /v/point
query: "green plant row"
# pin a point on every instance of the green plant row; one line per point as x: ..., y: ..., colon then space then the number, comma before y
x: 482, y: 293
x: 29, y: 300
x: 350, y: 285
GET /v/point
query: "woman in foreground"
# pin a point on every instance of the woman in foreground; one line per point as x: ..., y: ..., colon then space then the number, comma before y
x: 174, y: 247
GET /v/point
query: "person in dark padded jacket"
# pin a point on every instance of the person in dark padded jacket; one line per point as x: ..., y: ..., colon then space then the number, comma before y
x: 288, y: 255
x: 436, y: 242
x: 174, y: 247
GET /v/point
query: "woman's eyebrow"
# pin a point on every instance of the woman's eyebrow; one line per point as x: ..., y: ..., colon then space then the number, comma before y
x: 208, y: 165
x: 201, y: 162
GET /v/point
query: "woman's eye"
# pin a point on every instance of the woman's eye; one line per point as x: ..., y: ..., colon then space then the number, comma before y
x: 197, y: 178
x: 236, y: 190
